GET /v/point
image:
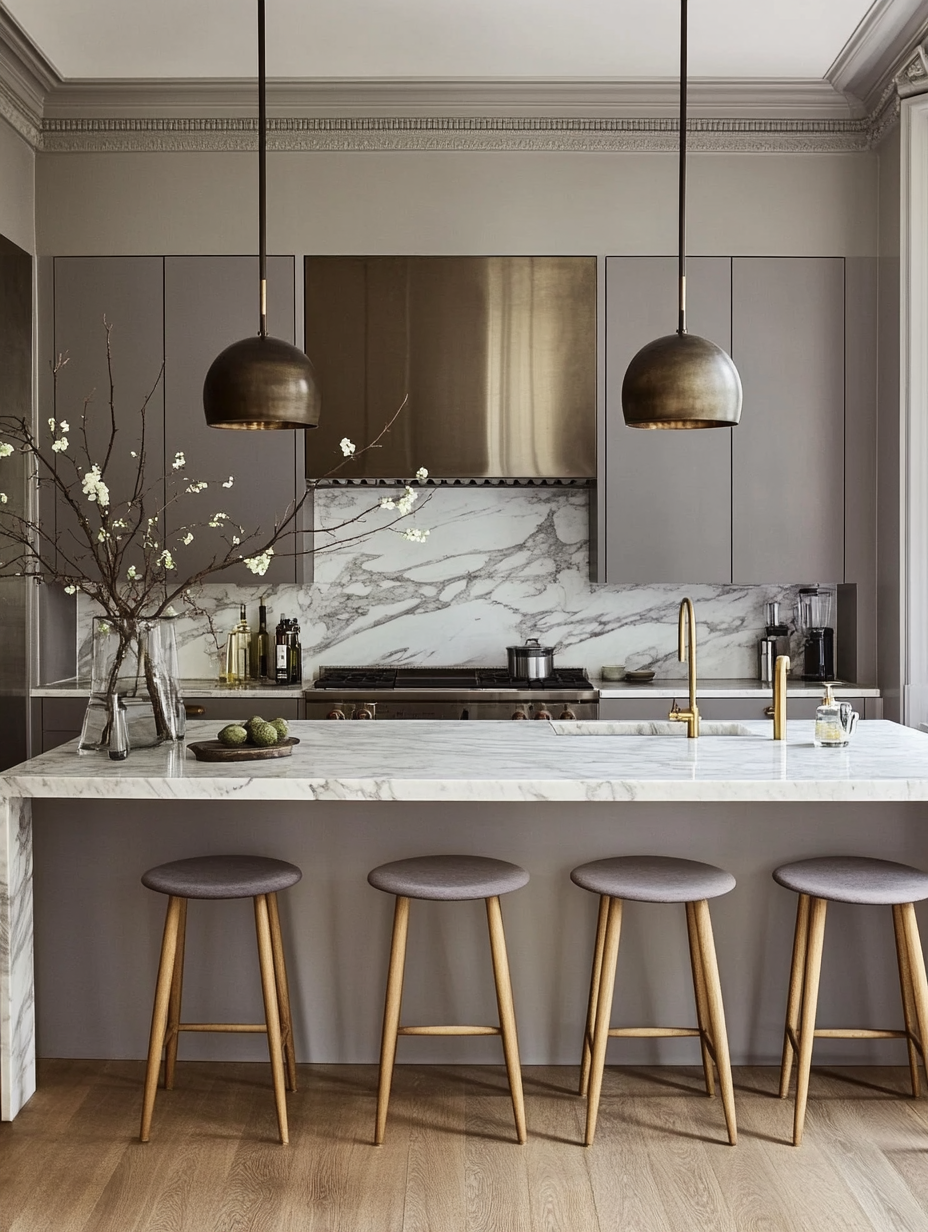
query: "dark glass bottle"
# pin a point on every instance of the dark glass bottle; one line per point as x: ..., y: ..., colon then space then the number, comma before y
x: 261, y: 655
x: 295, y: 657
x: 281, y: 652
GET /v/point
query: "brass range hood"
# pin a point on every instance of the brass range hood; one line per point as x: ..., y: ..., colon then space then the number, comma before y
x: 681, y: 380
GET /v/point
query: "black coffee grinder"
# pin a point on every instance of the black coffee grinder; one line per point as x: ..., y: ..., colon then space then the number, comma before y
x: 815, y: 608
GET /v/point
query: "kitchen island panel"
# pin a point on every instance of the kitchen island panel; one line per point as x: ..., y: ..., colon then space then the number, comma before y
x: 95, y: 983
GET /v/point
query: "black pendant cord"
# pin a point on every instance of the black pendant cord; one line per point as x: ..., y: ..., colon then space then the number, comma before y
x: 681, y: 326
x: 262, y: 169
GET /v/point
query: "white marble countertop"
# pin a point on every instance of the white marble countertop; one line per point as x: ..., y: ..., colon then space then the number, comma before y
x: 189, y: 688
x: 503, y: 761
x: 722, y: 688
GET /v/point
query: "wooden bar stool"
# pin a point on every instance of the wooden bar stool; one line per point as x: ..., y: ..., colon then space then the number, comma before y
x: 448, y: 878
x: 257, y: 877
x: 655, y: 879
x: 849, y: 879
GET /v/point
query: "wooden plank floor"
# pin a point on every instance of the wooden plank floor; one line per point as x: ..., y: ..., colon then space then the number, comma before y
x: 71, y: 1161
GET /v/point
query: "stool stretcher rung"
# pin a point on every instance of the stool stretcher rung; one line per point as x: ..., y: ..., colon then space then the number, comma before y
x: 651, y: 1032
x: 857, y: 1033
x: 449, y: 1030
x: 237, y: 1027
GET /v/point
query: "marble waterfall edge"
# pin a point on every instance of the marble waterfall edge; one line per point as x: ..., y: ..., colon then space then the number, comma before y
x: 500, y: 565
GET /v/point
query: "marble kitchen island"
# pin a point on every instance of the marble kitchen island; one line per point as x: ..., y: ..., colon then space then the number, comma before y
x: 356, y: 794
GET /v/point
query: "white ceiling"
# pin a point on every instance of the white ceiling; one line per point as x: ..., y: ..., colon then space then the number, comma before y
x: 438, y: 38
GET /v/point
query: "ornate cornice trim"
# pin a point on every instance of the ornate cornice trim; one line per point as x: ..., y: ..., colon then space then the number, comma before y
x: 455, y: 133
x: 913, y: 77
x: 873, y: 56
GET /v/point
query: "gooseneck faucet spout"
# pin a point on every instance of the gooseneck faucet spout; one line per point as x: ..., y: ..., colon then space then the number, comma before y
x: 686, y: 649
x: 779, y: 697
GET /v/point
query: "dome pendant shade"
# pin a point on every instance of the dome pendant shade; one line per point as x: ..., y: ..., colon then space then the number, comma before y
x: 681, y: 381
x: 261, y: 382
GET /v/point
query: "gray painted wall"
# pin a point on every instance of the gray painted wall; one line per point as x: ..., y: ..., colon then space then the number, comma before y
x: 17, y: 189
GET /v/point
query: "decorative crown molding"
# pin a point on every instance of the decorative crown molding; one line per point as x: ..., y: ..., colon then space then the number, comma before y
x: 26, y: 77
x: 873, y: 55
x: 913, y: 78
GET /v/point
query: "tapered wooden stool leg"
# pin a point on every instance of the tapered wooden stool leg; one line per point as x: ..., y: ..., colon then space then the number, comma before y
x: 797, y: 974
x: 702, y: 1004
x: 283, y: 990
x: 603, y: 1014
x: 177, y: 989
x: 813, y: 970
x: 159, y: 1015
x: 919, y: 982
x: 716, y: 1012
x: 271, y: 1012
x: 595, y: 975
x: 507, y: 1014
x: 909, y: 1012
x: 391, y: 1014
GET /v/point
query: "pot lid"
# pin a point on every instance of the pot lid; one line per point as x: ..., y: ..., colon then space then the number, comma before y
x: 532, y: 649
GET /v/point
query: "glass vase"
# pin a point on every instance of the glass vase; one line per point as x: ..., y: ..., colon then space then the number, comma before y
x: 133, y: 667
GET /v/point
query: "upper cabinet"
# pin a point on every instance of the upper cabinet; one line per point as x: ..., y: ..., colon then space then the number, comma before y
x: 179, y: 312
x: 788, y: 450
x: 209, y: 303
x: 668, y: 494
x: 764, y: 501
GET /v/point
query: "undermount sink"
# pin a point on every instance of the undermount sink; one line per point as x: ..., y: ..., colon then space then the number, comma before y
x: 648, y: 727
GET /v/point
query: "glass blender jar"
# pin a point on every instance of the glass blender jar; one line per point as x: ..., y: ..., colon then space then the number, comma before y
x: 816, y: 604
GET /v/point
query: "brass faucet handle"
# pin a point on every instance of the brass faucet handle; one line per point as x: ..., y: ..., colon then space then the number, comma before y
x: 675, y: 711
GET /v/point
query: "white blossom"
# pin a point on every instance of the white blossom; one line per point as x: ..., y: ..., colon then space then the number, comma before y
x: 94, y: 488
x: 51, y: 424
x: 186, y: 539
x: 70, y: 590
x: 415, y: 535
x: 132, y: 573
x: 179, y: 461
x: 259, y: 564
x: 64, y: 427
x: 346, y: 446
x: 406, y: 502
x: 133, y: 454
x: 235, y: 541
x: 103, y: 628
x: 5, y: 449
x: 171, y: 610
x: 422, y: 474
x: 3, y: 498
x: 387, y: 502
x: 229, y: 482
x: 166, y: 559
x: 218, y: 518
x: 121, y: 523
x: 60, y: 445
x: 102, y: 535
x: 197, y: 486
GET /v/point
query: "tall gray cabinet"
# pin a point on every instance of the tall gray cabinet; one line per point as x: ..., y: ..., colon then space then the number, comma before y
x: 759, y: 503
x: 179, y: 312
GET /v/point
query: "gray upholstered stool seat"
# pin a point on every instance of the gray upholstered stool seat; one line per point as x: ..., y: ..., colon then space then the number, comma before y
x: 849, y: 879
x: 653, y: 879
x: 448, y: 878
x: 215, y: 877
x: 854, y: 879
x: 222, y: 877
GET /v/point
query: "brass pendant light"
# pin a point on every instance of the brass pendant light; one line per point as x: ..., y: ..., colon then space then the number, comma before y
x: 261, y: 382
x: 680, y: 380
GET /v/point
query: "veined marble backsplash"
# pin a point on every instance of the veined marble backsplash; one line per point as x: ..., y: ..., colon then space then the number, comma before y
x: 500, y: 565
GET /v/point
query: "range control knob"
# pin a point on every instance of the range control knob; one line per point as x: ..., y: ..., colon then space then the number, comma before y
x: 362, y: 713
x: 519, y: 714
x: 335, y: 714
x: 568, y: 714
x: 542, y: 714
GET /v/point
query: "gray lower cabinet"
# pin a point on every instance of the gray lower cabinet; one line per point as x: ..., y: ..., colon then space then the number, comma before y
x: 127, y: 293
x: 209, y: 303
x: 227, y: 709
x: 668, y: 494
x: 788, y: 342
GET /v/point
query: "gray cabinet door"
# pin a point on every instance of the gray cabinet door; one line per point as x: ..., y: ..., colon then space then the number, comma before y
x: 209, y: 303
x: 668, y: 494
x: 127, y: 291
x: 788, y: 450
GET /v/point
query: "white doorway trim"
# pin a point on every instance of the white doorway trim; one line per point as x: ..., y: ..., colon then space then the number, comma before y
x: 913, y: 337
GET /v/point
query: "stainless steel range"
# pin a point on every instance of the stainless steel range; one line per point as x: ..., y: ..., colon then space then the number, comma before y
x: 448, y: 693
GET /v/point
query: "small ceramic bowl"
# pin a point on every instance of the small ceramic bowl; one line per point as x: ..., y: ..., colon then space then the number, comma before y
x: 642, y: 676
x: 613, y: 671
